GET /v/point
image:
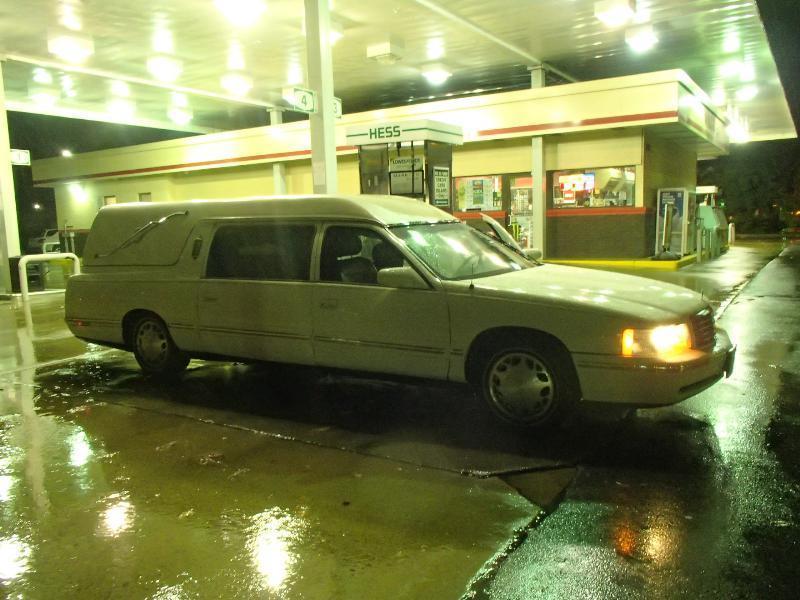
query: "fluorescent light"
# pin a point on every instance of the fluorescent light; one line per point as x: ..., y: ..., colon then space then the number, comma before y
x: 434, y: 49
x: 718, y: 97
x: 235, y: 57
x: 73, y: 49
x: 335, y: 33
x: 237, y: 84
x: 747, y: 73
x: 66, y: 153
x: 436, y: 74
x: 179, y: 99
x: 120, y: 88
x: 164, y: 68
x: 163, y: 42
x: 68, y: 17
x: 241, y: 13
x: 42, y: 76
x: 731, y: 43
x: 43, y: 98
x: 747, y: 93
x: 730, y: 68
x: 641, y: 39
x: 180, y: 116
x: 614, y: 13
x: 121, y: 109
x: 67, y: 83
x: 294, y: 76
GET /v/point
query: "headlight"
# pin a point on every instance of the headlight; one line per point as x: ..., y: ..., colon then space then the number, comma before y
x: 666, y: 341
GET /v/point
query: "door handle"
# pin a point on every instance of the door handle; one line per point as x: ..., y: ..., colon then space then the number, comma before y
x: 328, y: 303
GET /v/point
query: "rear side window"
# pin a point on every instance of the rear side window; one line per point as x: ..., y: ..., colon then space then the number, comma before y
x: 261, y: 251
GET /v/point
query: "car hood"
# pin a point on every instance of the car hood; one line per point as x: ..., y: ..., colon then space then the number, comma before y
x: 594, y: 290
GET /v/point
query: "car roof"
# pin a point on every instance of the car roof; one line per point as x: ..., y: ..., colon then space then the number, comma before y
x: 385, y: 210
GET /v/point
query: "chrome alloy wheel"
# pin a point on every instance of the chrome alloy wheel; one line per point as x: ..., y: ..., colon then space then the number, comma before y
x: 521, y: 387
x: 151, y: 342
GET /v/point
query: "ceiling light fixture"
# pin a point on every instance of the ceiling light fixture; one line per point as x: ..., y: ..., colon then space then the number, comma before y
x: 68, y: 17
x: 120, y: 88
x: 731, y: 43
x: 335, y: 33
x: 730, y: 68
x: 241, y: 13
x: 747, y: 93
x: 237, y: 84
x: 718, y: 97
x: 74, y: 49
x: 121, y: 110
x: 42, y: 76
x: 614, y: 13
x: 641, y: 39
x: 235, y: 57
x: 747, y: 73
x: 164, y: 68
x: 179, y: 99
x: 434, y: 49
x: 180, y: 116
x: 294, y: 75
x: 436, y: 74
x: 162, y: 41
x: 43, y: 98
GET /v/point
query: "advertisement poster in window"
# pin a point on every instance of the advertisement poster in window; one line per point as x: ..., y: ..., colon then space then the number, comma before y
x: 405, y: 175
x: 441, y: 186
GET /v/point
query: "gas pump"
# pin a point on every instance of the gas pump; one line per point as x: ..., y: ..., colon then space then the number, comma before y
x: 407, y: 158
x: 675, y: 223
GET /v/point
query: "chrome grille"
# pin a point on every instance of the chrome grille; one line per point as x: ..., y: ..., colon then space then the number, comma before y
x: 703, y: 332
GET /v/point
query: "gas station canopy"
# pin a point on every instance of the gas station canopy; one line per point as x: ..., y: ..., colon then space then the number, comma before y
x: 203, y: 66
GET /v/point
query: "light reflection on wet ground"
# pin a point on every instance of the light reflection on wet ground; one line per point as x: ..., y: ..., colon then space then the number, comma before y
x: 242, y: 482
x: 701, y: 500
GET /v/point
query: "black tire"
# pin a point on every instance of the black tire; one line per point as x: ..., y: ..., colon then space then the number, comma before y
x: 154, y: 349
x: 528, y: 382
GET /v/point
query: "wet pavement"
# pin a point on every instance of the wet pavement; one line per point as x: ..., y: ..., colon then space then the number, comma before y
x: 267, y: 481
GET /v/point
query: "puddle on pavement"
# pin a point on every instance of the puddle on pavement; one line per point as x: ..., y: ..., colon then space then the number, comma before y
x: 100, y: 499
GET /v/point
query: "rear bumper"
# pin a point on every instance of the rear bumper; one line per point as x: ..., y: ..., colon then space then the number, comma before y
x: 643, y: 383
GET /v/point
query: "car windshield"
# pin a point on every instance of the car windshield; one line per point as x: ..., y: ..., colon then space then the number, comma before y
x: 456, y: 251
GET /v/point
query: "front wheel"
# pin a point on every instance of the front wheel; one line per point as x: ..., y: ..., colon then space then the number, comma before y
x: 154, y: 349
x: 529, y: 383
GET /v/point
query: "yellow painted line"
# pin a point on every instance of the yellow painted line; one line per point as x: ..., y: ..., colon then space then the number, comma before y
x: 662, y: 265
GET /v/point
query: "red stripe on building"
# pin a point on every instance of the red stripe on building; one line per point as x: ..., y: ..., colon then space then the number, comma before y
x: 670, y: 114
x: 596, y: 212
x: 204, y: 163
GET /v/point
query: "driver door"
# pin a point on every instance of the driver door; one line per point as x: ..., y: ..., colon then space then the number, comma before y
x: 361, y: 325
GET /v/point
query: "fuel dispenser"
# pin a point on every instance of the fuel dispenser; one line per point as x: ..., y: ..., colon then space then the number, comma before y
x: 407, y: 158
x: 675, y: 223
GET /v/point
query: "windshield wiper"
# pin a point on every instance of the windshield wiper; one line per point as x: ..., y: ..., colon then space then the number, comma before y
x: 140, y: 233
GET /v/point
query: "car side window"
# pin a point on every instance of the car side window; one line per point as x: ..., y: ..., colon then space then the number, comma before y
x: 355, y: 255
x: 263, y: 251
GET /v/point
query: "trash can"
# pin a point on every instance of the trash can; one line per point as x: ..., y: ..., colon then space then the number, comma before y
x: 35, y: 273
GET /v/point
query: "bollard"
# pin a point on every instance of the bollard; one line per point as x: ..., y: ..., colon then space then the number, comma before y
x: 731, y: 234
x: 29, y: 258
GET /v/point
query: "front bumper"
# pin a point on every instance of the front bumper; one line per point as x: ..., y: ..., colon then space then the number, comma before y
x: 639, y: 382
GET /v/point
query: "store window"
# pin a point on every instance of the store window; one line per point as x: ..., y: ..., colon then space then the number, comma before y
x: 483, y: 192
x: 593, y: 188
x: 145, y: 197
x: 109, y: 200
x: 264, y: 251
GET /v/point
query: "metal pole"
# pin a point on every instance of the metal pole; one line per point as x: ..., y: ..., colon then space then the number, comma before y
x: 278, y: 168
x: 9, y: 234
x: 537, y: 221
x: 320, y: 76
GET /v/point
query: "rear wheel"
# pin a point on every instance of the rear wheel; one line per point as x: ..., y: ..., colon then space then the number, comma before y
x: 154, y: 349
x: 529, y: 383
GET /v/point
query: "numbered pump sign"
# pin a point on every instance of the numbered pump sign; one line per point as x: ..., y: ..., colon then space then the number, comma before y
x: 305, y: 101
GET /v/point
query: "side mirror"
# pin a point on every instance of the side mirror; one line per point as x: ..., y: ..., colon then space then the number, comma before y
x: 532, y: 253
x: 401, y: 277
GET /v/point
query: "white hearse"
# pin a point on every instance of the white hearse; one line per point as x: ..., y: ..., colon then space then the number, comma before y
x: 388, y: 285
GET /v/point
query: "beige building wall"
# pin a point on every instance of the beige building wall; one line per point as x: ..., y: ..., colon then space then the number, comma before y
x: 667, y: 165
